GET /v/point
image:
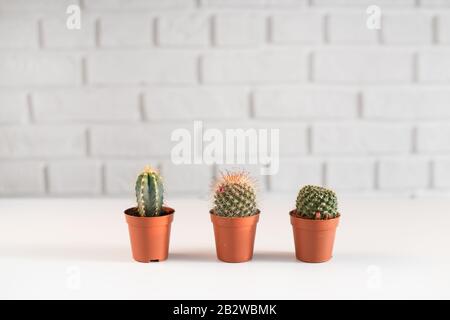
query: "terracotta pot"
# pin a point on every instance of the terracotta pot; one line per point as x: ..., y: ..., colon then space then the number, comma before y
x: 149, y: 236
x: 234, y: 237
x: 313, y: 239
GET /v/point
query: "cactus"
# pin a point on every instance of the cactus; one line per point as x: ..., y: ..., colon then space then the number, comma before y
x: 149, y: 193
x: 316, y: 203
x: 235, y: 195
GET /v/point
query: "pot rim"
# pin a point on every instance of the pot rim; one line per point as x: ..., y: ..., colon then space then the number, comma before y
x: 167, y: 212
x: 292, y: 214
x: 313, y: 225
x: 234, y: 222
x: 212, y: 213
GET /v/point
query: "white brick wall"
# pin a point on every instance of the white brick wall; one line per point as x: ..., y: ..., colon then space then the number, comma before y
x: 361, y: 138
x: 196, y: 103
x: 404, y: 173
x: 307, y: 26
x: 434, y: 66
x: 305, y: 103
x: 353, y: 175
x: 183, y: 30
x: 443, y: 35
x: 86, y: 105
x: 441, y: 173
x: 39, y: 69
x: 362, y: 111
x: 433, y: 138
x: 133, y: 67
x: 407, y: 103
x: 126, y: 30
x: 363, y: 66
x: 239, y: 29
x: 255, y: 67
x: 74, y: 178
x: 15, y: 173
x: 296, y: 172
x: 407, y: 28
x: 56, y: 35
x: 18, y: 33
x: 13, y: 107
x: 42, y: 141
x: 349, y: 28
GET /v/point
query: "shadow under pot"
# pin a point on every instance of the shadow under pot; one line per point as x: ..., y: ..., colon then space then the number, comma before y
x: 234, y: 236
x: 149, y: 236
x: 314, y: 239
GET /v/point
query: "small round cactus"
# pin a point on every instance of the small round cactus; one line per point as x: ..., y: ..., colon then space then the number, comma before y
x: 316, y: 203
x: 235, y: 195
x: 149, y: 193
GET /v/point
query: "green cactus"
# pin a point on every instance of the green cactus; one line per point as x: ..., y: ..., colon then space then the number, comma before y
x: 149, y: 193
x: 316, y: 203
x: 235, y: 195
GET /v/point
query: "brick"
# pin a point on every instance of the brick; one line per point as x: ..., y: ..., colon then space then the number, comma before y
x: 363, y: 66
x: 407, y: 28
x: 186, y: 179
x: 253, y: 170
x: 196, y: 103
x: 292, y: 28
x: 126, y: 30
x: 39, y: 69
x: 254, y: 3
x: 190, y: 29
x: 301, y: 103
x: 21, y: 178
x: 36, y: 5
x: 403, y: 173
x: 406, y: 103
x: 443, y: 25
x: 365, y: 3
x: 433, y: 138
x: 120, y: 175
x: 358, y: 138
x: 350, y: 174
x: 57, y: 35
x: 132, y: 141
x: 294, y: 173
x: 96, y: 105
x: 434, y: 3
x: 142, y: 68
x: 351, y: 28
x: 13, y: 108
x: 434, y: 66
x: 255, y: 67
x: 138, y: 4
x: 293, y: 137
x: 75, y: 178
x: 239, y: 29
x: 290, y: 134
x: 18, y: 33
x: 441, y: 173
x: 64, y: 141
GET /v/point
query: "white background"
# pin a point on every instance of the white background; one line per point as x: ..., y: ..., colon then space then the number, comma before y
x: 384, y: 249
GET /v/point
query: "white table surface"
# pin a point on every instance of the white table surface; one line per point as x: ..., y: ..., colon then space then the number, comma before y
x: 79, y: 249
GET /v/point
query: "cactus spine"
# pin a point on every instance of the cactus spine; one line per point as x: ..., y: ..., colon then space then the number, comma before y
x: 235, y: 195
x: 316, y: 203
x: 149, y: 193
